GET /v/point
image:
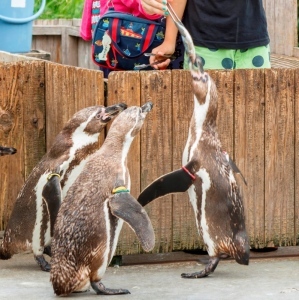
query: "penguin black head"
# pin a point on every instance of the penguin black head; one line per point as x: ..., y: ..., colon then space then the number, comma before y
x: 97, y: 117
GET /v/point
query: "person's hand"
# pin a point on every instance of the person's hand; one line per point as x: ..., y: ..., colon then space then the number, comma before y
x: 158, y: 7
x: 164, y: 48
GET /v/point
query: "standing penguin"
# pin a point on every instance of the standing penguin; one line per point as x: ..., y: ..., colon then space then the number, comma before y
x: 207, y: 174
x: 31, y: 222
x: 7, y: 150
x: 91, y: 216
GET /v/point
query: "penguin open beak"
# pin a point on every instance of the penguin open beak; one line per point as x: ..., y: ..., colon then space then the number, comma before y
x: 147, y: 107
x: 112, y: 111
x: 7, y: 151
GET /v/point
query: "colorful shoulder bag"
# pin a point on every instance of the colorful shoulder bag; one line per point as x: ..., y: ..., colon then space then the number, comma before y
x: 121, y: 39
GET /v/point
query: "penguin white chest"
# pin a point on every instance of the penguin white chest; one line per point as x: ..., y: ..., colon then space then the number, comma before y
x: 203, y: 222
x: 37, y: 246
x: 108, y: 252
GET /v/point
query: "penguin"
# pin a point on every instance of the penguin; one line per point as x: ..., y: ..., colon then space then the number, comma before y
x: 207, y: 174
x: 91, y: 216
x: 30, y: 226
x: 7, y: 151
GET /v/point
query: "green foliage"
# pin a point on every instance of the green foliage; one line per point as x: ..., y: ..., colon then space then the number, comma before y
x: 60, y: 9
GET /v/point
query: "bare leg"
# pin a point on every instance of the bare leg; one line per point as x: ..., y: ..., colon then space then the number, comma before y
x: 100, y: 289
x: 44, y: 265
x: 210, y: 268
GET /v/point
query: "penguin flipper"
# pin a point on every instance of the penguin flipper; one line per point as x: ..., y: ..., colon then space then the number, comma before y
x: 52, y: 197
x: 124, y: 206
x: 233, y: 165
x: 174, y: 182
x: 236, y: 169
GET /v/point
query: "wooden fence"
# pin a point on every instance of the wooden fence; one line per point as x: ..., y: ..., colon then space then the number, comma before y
x: 258, y: 117
x: 61, y: 39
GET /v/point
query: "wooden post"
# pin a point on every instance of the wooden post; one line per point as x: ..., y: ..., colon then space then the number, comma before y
x: 249, y: 143
x: 22, y: 125
x: 125, y: 87
x: 279, y: 157
x: 282, y: 26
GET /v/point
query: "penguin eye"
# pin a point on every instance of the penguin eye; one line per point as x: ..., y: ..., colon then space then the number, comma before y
x: 98, y: 116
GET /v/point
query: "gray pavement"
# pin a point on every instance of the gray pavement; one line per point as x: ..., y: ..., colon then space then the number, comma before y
x: 271, y: 278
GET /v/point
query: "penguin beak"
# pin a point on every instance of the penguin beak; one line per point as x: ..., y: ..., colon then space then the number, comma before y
x: 111, y: 111
x: 7, y: 151
x: 115, y: 109
x: 145, y: 108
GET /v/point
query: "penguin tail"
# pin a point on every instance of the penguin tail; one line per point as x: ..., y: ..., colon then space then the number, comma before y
x: 242, y: 258
x: 242, y: 248
x: 64, y: 277
x: 4, y: 255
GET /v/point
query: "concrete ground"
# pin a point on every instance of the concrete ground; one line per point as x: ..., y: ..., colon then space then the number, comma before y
x: 271, y: 278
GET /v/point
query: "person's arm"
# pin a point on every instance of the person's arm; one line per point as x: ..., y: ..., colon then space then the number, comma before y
x: 135, y: 7
x: 85, y: 27
x: 168, y: 46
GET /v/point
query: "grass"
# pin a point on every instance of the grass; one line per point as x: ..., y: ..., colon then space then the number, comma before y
x: 58, y: 9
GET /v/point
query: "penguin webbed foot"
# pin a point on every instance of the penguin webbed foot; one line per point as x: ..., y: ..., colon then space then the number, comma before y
x: 100, y: 289
x: 200, y: 274
x: 43, y: 264
x: 209, y: 268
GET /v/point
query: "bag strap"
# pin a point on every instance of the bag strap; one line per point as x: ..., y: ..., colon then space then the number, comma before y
x: 114, y: 29
x: 148, y: 39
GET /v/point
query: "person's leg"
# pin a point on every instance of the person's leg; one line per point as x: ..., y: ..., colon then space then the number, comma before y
x: 215, y: 58
x: 253, y: 58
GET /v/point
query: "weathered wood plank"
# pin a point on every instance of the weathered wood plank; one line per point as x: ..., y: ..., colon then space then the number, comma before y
x: 269, y: 6
x: 282, y: 25
x: 85, y: 56
x: 156, y: 150
x: 51, y: 44
x: 6, y: 57
x: 22, y: 118
x: 69, y: 48
x: 47, y: 30
x: 249, y: 148
x: 125, y: 87
x: 69, y: 89
x: 279, y: 157
x: 224, y: 81
x: 283, y: 61
x: 296, y: 157
x: 185, y: 233
x: 34, y: 114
